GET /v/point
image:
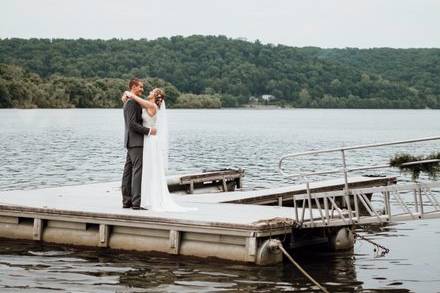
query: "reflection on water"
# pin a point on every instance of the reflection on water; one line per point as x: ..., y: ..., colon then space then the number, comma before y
x: 46, y: 267
x: 58, y: 147
x: 27, y: 265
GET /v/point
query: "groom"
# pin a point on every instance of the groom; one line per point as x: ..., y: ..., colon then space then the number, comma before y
x: 134, y: 142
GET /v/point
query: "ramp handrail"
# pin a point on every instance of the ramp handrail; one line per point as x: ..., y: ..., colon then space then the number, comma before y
x: 343, y: 150
x: 353, y: 216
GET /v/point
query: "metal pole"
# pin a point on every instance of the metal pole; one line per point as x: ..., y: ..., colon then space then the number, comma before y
x: 344, y: 169
x: 419, y: 191
x: 327, y: 216
x: 310, y: 203
x: 388, y: 204
x: 416, y: 203
x: 296, y: 208
x: 347, y: 192
x: 356, y: 206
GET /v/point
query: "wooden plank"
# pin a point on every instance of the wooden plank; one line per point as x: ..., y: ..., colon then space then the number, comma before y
x: 211, y: 176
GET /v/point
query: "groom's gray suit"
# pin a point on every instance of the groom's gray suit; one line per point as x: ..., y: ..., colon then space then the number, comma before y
x: 134, y: 142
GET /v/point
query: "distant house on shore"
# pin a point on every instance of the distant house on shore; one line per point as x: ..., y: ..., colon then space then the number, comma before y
x: 264, y: 99
x: 267, y: 98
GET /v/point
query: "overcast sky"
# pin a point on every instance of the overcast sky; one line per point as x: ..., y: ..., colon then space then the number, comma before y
x: 322, y: 23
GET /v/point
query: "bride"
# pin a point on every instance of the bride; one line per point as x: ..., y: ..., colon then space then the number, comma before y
x: 154, y: 190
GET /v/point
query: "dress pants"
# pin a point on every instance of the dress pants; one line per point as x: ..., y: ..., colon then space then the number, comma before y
x: 132, y: 177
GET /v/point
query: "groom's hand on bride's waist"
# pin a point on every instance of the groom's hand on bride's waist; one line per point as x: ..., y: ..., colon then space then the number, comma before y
x: 153, y: 131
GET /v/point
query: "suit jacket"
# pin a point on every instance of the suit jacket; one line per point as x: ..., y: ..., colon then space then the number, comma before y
x: 134, y: 131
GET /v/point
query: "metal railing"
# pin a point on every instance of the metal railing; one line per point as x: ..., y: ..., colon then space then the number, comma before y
x: 343, y: 151
x: 372, y: 205
x: 344, y: 207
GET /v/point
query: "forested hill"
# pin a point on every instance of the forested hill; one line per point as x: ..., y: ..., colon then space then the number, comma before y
x: 90, y: 73
x: 418, y: 68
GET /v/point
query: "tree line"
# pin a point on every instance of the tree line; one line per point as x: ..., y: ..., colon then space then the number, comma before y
x: 215, y: 71
x: 20, y: 88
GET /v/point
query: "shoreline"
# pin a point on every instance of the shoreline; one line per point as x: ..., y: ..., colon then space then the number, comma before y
x: 246, y: 107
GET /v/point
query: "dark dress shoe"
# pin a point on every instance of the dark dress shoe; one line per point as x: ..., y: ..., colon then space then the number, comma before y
x: 126, y: 206
x: 138, y: 208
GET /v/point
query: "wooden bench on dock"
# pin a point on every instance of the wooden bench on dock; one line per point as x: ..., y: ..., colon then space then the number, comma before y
x: 216, y: 180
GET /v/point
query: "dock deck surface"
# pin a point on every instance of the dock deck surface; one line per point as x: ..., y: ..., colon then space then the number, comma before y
x: 104, y: 199
x: 225, y: 207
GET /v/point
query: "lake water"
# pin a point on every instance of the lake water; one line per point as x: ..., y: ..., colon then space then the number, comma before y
x: 42, y: 148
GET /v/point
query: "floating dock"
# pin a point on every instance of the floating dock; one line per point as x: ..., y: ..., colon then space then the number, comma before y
x: 91, y: 215
x: 221, y: 227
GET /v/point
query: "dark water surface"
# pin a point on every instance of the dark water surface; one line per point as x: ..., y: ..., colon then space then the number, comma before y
x: 42, y: 148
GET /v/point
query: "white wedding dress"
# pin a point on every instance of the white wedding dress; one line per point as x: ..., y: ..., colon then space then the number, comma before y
x: 154, y: 190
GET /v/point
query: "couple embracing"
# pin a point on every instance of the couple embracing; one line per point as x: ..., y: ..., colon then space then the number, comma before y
x: 144, y: 183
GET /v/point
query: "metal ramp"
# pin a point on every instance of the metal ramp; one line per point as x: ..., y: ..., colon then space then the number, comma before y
x: 363, y: 206
x: 375, y: 205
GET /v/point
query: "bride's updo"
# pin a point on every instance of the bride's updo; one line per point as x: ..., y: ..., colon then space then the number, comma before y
x: 158, y: 93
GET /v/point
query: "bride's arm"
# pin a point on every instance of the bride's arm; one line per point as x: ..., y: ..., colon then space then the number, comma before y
x: 142, y: 102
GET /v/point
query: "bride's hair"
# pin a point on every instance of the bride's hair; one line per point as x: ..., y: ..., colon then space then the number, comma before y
x: 158, y: 93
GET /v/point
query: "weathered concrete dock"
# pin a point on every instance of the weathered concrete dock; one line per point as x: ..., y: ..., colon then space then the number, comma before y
x: 221, y: 227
